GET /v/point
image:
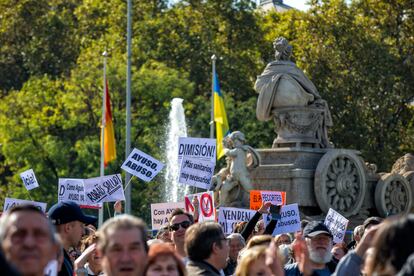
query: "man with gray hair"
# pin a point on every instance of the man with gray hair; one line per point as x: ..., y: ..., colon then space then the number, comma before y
x: 27, y: 239
x: 122, y: 246
x: 236, y: 243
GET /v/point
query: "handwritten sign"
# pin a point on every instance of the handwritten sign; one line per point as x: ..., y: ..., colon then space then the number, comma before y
x: 289, y: 219
x: 229, y: 217
x: 11, y: 202
x: 142, y: 165
x: 29, y: 179
x: 199, y: 148
x: 274, y: 196
x: 160, y: 212
x: 196, y: 172
x: 337, y: 224
x: 72, y: 189
x: 206, y: 206
x: 104, y: 189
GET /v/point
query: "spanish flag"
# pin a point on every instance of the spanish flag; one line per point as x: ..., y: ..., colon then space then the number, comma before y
x: 220, y: 117
x: 108, y: 131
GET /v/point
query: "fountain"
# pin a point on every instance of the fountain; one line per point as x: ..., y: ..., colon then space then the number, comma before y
x: 174, y: 191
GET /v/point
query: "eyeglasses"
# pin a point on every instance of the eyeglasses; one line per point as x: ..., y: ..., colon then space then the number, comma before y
x: 176, y: 226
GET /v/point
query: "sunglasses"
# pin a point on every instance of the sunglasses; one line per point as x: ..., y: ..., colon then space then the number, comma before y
x: 176, y: 226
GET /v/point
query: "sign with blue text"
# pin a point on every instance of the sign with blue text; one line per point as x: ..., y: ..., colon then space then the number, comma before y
x: 72, y: 189
x: 196, y: 172
x: 289, y: 219
x: 160, y: 212
x: 337, y: 224
x: 11, y: 202
x: 142, y: 165
x: 228, y: 217
x: 29, y: 179
x: 199, y: 148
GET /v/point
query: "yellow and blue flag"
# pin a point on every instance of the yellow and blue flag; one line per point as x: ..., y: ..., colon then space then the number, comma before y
x: 220, y: 117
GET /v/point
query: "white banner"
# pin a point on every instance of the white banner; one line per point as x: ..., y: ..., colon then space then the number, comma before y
x: 10, y: 202
x: 229, y: 217
x: 289, y: 219
x: 274, y: 197
x: 196, y: 172
x: 142, y: 165
x: 160, y: 212
x: 206, y: 206
x: 107, y: 188
x: 199, y: 148
x: 51, y: 269
x: 72, y: 189
x: 29, y: 179
x: 337, y: 224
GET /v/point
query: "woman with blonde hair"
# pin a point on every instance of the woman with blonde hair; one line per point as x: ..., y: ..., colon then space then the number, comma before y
x: 254, y: 262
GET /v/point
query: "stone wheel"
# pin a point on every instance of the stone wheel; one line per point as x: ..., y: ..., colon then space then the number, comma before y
x: 393, y: 195
x: 340, y: 182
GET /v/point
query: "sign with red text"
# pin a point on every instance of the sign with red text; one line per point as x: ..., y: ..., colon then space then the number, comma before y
x: 273, y: 196
x: 337, y: 224
x: 207, y: 211
x: 29, y: 179
x: 160, y: 212
x: 228, y: 217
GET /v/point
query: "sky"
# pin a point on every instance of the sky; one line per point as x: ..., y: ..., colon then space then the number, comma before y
x: 298, y: 4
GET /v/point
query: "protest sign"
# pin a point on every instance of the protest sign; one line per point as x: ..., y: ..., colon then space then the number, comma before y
x: 206, y: 205
x: 106, y: 188
x: 273, y: 196
x: 51, y: 269
x: 142, y: 165
x: 337, y: 224
x: 72, y: 189
x: 160, y: 212
x: 29, y: 179
x: 196, y: 172
x: 289, y: 219
x: 229, y: 217
x: 200, y: 148
x: 11, y: 202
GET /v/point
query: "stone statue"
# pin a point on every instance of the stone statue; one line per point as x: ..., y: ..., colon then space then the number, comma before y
x: 281, y: 86
x: 404, y: 164
x: 232, y: 183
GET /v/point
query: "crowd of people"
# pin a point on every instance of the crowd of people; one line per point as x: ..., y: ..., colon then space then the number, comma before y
x: 30, y: 240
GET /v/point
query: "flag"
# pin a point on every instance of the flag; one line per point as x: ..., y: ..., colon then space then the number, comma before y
x: 220, y: 117
x: 108, y: 132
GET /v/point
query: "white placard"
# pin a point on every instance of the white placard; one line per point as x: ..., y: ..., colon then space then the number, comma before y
x: 196, y: 172
x: 160, y: 212
x: 142, y: 165
x: 289, y: 219
x: 206, y: 206
x: 337, y: 224
x: 199, y: 148
x: 274, y: 197
x: 72, y: 189
x: 29, y: 179
x: 104, y: 189
x: 229, y: 217
x: 11, y: 202
x: 51, y: 269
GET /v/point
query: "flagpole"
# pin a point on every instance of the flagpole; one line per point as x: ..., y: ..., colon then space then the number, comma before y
x: 213, y: 75
x: 103, y: 125
x: 128, y: 109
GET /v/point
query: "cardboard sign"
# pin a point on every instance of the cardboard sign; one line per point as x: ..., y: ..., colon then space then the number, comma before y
x: 337, y: 224
x: 142, y: 165
x: 289, y: 220
x: 11, y: 202
x: 274, y: 196
x: 72, y: 189
x: 196, y: 172
x: 51, y: 269
x: 29, y: 179
x: 199, y: 148
x: 229, y: 217
x: 160, y: 212
x: 207, y: 211
x: 107, y: 188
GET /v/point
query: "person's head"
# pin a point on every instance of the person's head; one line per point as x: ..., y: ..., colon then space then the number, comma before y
x: 178, y: 223
x: 69, y: 220
x: 339, y: 250
x: 319, y: 242
x: 371, y: 221
x: 164, y: 234
x: 259, y: 240
x: 283, y: 239
x: 27, y: 239
x: 392, y: 243
x: 122, y: 246
x: 358, y: 232
x: 94, y: 259
x: 236, y: 243
x: 206, y: 242
x: 283, y: 50
x: 163, y: 261
x: 252, y: 263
